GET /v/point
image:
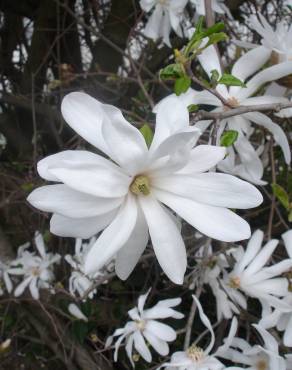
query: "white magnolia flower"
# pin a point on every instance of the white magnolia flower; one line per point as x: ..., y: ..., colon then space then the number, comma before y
x: 37, y: 270
x: 76, y: 312
x: 197, y: 358
x: 282, y: 320
x: 144, y: 326
x: 79, y: 282
x: 278, y: 41
x: 252, y: 278
x: 167, y: 15
x: 218, y: 6
x: 124, y: 195
x: 255, y: 357
x: 248, y: 164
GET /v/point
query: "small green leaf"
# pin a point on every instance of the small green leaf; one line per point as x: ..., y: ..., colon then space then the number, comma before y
x: 171, y: 72
x: 281, y: 194
x: 215, y: 76
x: 230, y: 80
x: 229, y: 138
x: 216, y: 28
x: 147, y: 132
x: 193, y: 108
x: 216, y: 37
x: 28, y: 187
x: 181, y: 85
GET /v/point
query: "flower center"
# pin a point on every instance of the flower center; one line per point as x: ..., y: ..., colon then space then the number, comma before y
x: 233, y: 103
x: 140, y: 185
x: 195, y: 353
x: 261, y: 365
x: 140, y: 324
x: 163, y: 2
x: 234, y: 282
x: 35, y: 271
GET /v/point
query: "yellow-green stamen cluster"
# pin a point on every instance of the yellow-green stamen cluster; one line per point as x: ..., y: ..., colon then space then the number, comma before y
x: 140, y: 185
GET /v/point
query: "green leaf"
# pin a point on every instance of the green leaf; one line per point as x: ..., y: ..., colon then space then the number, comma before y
x: 181, y: 85
x: 147, y: 132
x: 281, y: 194
x: 290, y: 216
x: 193, y: 108
x: 171, y: 72
x: 217, y: 27
x: 229, y: 138
x: 216, y: 37
x: 28, y: 187
x: 79, y: 330
x: 215, y: 76
x: 230, y: 80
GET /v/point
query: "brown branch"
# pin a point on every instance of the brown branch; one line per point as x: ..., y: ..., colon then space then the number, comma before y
x: 276, y: 107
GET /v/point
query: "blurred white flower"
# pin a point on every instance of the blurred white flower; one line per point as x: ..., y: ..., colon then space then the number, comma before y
x: 218, y: 6
x: 166, y: 15
x: 125, y: 198
x: 197, y: 358
x: 37, y: 270
x: 255, y: 357
x: 76, y: 312
x: 79, y: 282
x: 247, y: 164
x: 282, y: 320
x: 144, y: 326
x: 250, y: 277
x: 278, y: 40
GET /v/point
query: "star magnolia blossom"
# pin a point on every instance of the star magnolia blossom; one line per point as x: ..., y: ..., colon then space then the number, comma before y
x: 255, y: 357
x: 144, y: 326
x: 218, y: 6
x: 251, y: 277
x: 196, y: 358
x: 79, y: 282
x: 251, y: 167
x: 278, y: 41
x: 36, y: 270
x: 167, y: 15
x: 282, y: 320
x: 125, y: 198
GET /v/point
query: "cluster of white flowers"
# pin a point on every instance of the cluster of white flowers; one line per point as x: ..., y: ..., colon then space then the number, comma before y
x: 35, y: 269
x: 167, y: 15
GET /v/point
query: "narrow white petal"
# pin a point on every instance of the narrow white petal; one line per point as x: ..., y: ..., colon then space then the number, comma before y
x: 166, y: 239
x: 21, y: 287
x: 158, y: 344
x: 129, y: 255
x: 33, y: 287
x: 65, y: 201
x: 216, y: 222
x: 141, y: 347
x: 80, y: 227
x: 161, y: 330
x: 287, y: 238
x: 113, y: 237
x: 215, y: 189
x: 76, y: 312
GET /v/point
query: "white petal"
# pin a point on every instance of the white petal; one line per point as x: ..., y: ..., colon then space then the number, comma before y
x: 34, y: 288
x: 267, y: 75
x: 218, y: 223
x: 129, y: 255
x: 153, y: 26
x: 65, y: 201
x: 243, y: 68
x: 141, y: 347
x: 129, y: 349
x: 158, y: 344
x: 215, y: 189
x: 276, y: 130
x: 262, y: 258
x: 161, y: 330
x: 126, y: 143
x: 40, y: 244
x: 287, y: 238
x: 141, y: 301
x: 207, y: 324
x: 76, y: 312
x: 172, y: 116
x: 270, y: 342
x: 84, y: 114
x: 80, y: 227
x: 166, y: 239
x: 287, y: 339
x: 203, y: 158
x: 113, y: 237
x: 21, y: 287
x: 253, y: 247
